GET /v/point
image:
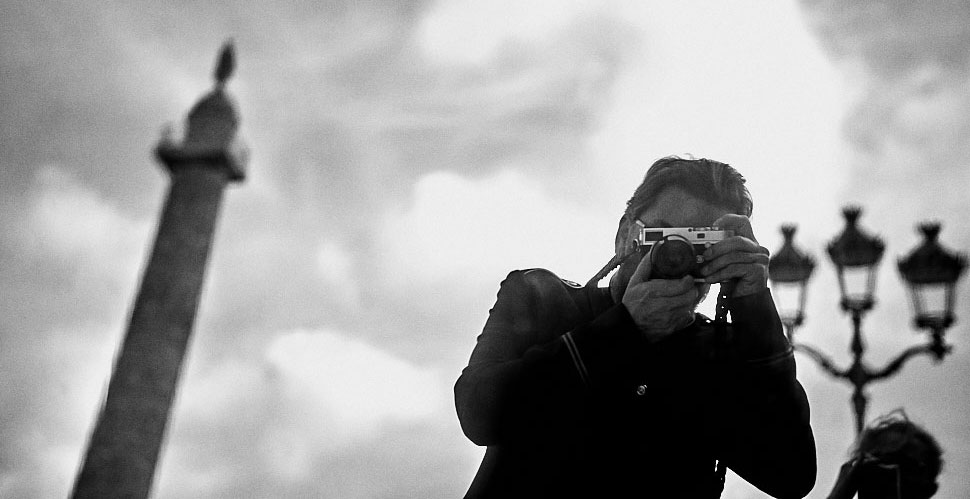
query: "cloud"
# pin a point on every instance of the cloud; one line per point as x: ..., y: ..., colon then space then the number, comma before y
x: 70, y: 262
x: 70, y: 255
x: 345, y: 387
x: 893, y: 36
x: 443, y: 256
x: 355, y: 150
x: 468, y: 31
x: 908, y: 120
x: 313, y: 396
x: 477, y: 228
x: 336, y: 265
x: 51, y: 393
x: 909, y: 65
x: 71, y: 225
x: 357, y: 385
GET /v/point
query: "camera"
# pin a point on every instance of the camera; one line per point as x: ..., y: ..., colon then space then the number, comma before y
x: 676, y: 251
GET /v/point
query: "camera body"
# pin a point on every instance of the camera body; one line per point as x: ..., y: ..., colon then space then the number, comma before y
x: 677, y: 251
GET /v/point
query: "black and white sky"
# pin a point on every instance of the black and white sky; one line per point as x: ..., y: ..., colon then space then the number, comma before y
x: 405, y: 156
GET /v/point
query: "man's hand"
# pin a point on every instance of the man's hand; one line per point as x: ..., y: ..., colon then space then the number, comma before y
x: 738, y: 258
x: 659, y: 306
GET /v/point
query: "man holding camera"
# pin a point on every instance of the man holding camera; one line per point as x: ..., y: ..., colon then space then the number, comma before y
x: 625, y: 391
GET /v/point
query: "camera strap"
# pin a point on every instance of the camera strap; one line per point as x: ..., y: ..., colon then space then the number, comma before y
x: 720, y: 344
x: 614, y: 262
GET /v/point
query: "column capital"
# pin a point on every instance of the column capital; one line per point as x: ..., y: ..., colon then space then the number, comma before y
x: 210, y: 136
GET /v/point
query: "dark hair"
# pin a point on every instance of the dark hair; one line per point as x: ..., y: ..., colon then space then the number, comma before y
x: 715, y: 182
x: 894, y: 439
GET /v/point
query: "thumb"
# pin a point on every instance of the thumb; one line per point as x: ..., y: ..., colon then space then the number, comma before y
x: 642, y: 273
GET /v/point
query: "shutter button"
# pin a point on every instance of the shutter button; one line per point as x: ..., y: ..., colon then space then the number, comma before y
x: 641, y: 390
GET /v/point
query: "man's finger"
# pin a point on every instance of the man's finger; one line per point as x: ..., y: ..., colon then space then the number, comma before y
x: 734, y: 244
x: 735, y: 257
x: 737, y: 271
x: 740, y: 224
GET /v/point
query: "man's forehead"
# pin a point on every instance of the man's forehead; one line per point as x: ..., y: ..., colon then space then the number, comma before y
x: 698, y: 220
x: 676, y: 208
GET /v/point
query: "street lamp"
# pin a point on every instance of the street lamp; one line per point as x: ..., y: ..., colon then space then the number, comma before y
x: 790, y: 269
x: 856, y: 256
x: 930, y: 271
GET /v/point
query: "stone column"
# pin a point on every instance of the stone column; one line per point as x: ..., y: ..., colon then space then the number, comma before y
x: 127, y: 439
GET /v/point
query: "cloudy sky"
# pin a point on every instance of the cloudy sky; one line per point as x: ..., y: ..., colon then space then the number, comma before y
x: 405, y: 156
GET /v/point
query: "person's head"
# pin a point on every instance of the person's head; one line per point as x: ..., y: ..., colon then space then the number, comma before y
x: 895, y: 441
x: 712, y: 181
x: 679, y: 192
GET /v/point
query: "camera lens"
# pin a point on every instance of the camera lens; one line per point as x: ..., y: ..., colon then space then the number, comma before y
x: 672, y: 258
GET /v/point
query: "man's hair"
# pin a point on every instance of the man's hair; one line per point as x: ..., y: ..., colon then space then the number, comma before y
x: 715, y: 182
x: 894, y: 439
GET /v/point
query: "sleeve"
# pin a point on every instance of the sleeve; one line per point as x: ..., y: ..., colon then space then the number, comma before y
x: 766, y: 436
x: 525, y: 378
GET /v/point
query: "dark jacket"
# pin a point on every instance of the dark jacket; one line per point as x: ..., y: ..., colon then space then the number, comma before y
x: 572, y: 402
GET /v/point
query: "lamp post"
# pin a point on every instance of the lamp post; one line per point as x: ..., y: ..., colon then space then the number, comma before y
x: 930, y: 271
